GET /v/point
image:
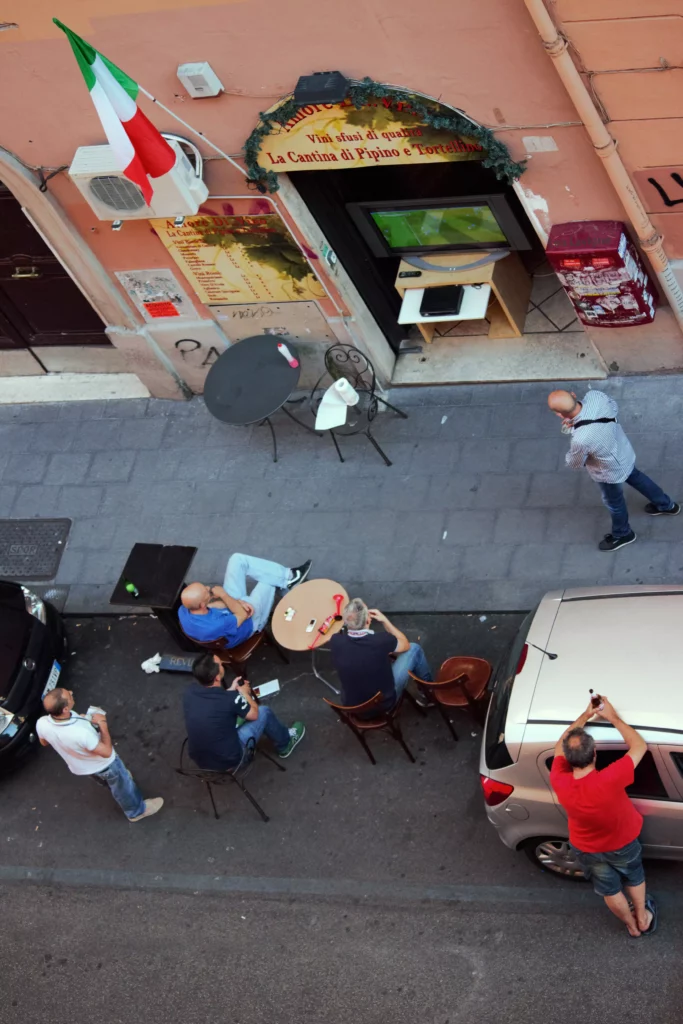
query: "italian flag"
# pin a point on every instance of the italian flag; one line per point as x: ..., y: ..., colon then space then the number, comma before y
x: 140, y: 150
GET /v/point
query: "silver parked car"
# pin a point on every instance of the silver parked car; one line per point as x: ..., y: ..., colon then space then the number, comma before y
x: 625, y: 642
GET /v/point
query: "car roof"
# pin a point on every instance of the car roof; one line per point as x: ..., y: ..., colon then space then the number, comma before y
x: 623, y: 642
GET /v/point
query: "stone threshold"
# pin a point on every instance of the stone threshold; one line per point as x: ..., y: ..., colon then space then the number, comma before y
x: 477, y: 359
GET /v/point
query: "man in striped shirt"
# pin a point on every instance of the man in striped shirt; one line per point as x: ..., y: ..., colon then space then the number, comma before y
x: 600, y: 444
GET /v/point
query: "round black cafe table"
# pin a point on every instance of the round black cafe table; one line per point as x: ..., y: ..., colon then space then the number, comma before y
x: 251, y: 380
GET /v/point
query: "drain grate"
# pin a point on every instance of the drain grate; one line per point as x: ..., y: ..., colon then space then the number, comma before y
x: 31, y: 549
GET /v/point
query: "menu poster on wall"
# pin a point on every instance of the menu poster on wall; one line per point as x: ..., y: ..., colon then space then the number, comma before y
x: 237, y: 259
x: 338, y: 136
x: 157, y: 294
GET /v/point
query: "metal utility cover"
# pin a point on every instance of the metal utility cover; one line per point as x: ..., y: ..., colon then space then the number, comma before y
x: 31, y: 549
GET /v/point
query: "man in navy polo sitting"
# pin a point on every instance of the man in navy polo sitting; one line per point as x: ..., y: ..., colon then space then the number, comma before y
x: 209, y: 613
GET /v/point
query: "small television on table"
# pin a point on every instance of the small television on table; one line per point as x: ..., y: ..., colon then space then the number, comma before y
x: 414, y: 227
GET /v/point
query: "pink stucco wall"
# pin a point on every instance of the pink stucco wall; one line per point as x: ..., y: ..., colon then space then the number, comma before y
x: 483, y: 56
x: 631, y: 54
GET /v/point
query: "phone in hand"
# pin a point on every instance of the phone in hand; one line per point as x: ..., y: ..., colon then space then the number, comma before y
x: 311, y: 626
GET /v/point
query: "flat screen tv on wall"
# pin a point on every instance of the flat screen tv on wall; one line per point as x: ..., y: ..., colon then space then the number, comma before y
x: 418, y: 227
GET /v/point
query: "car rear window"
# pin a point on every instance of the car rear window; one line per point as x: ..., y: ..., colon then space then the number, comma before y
x: 647, y: 782
x: 496, y: 752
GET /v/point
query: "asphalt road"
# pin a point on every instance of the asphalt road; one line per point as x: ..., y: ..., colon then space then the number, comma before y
x: 73, y: 955
x: 373, y: 894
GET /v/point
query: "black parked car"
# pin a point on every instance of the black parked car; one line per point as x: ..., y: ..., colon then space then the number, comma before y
x: 33, y: 649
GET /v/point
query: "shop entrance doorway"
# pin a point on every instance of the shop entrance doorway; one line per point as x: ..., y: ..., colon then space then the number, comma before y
x: 39, y: 303
x: 327, y: 194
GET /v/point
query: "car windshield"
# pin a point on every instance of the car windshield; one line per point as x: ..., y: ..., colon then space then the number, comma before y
x: 15, y: 629
x: 496, y: 752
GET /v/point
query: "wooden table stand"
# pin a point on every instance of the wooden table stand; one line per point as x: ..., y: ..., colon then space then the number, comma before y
x: 510, y: 289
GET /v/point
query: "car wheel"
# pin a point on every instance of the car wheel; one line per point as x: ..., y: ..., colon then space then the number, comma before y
x: 554, y: 855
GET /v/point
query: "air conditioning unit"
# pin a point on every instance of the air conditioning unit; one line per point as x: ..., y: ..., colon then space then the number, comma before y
x: 112, y: 196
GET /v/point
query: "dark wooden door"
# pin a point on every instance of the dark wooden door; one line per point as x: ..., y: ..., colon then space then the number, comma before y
x: 39, y: 303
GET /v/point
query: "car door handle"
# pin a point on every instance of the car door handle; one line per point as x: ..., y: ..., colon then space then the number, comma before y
x: 21, y: 272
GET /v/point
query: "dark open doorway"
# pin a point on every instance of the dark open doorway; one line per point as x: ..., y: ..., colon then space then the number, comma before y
x: 39, y: 303
x: 327, y: 192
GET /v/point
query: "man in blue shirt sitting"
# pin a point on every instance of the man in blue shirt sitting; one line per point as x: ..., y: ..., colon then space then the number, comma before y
x: 209, y: 613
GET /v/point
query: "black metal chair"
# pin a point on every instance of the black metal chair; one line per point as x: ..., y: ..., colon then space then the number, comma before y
x: 236, y: 775
x: 349, y: 362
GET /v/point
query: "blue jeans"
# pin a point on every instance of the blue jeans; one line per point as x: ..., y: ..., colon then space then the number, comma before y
x: 269, y: 577
x: 123, y: 788
x: 268, y: 723
x: 609, y: 871
x: 412, y: 660
x: 613, y: 498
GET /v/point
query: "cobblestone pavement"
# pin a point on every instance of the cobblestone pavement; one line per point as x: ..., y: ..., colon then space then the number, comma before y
x: 477, y: 512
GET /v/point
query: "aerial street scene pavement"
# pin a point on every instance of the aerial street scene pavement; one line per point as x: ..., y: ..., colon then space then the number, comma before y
x: 341, y: 554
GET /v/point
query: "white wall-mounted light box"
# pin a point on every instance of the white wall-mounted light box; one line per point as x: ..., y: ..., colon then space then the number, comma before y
x: 200, y: 79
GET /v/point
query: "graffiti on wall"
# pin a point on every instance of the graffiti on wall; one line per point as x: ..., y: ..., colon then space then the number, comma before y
x: 660, y: 187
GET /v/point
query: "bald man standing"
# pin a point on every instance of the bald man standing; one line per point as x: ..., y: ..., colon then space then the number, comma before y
x: 600, y: 444
x: 229, y: 612
x: 86, y: 746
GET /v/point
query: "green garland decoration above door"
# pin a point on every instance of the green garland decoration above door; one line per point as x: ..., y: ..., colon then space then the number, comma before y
x: 362, y: 93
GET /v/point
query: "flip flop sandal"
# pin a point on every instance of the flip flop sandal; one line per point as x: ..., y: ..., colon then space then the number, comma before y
x: 652, y: 907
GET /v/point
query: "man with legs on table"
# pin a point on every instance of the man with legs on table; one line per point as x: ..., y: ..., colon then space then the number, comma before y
x: 363, y: 662
x: 209, y: 613
x: 604, y: 826
x: 220, y: 720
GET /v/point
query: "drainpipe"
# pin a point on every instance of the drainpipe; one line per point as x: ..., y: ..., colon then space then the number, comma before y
x: 606, y: 148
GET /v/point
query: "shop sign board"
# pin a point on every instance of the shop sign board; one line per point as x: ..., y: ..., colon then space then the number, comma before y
x: 338, y: 136
x: 238, y: 259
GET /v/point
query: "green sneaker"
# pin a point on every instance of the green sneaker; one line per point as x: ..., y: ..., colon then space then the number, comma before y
x: 297, y: 734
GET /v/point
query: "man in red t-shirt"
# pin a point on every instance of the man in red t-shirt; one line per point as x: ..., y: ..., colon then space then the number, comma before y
x: 603, y: 823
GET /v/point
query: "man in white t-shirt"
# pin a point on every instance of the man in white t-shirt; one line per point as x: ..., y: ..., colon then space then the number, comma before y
x: 88, y: 751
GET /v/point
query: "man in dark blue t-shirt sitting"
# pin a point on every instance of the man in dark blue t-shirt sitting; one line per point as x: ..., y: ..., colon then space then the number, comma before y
x: 363, y: 659
x: 209, y: 613
x: 221, y: 720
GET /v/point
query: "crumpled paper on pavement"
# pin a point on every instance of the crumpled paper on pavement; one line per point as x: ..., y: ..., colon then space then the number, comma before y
x: 151, y: 665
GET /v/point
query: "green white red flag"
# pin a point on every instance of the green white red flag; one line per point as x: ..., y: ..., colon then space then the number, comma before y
x: 139, y: 149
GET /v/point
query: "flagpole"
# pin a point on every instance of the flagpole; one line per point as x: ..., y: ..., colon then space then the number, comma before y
x: 195, y: 131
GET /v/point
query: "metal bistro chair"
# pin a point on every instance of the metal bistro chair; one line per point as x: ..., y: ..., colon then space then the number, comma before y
x: 349, y: 362
x: 460, y: 683
x: 236, y: 775
x: 385, y: 720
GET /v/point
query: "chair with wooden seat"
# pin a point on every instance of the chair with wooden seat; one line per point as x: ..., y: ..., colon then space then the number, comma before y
x: 460, y: 683
x: 238, y: 656
x: 385, y: 720
x: 236, y: 774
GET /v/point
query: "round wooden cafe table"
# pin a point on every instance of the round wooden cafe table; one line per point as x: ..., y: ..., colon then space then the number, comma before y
x: 310, y: 600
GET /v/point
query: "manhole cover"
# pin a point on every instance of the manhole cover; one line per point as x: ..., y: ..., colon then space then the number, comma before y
x: 31, y: 549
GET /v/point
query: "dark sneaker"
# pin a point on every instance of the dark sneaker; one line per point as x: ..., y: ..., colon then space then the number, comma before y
x: 424, y: 700
x: 652, y: 510
x: 610, y: 543
x: 299, y: 574
x: 296, y: 734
